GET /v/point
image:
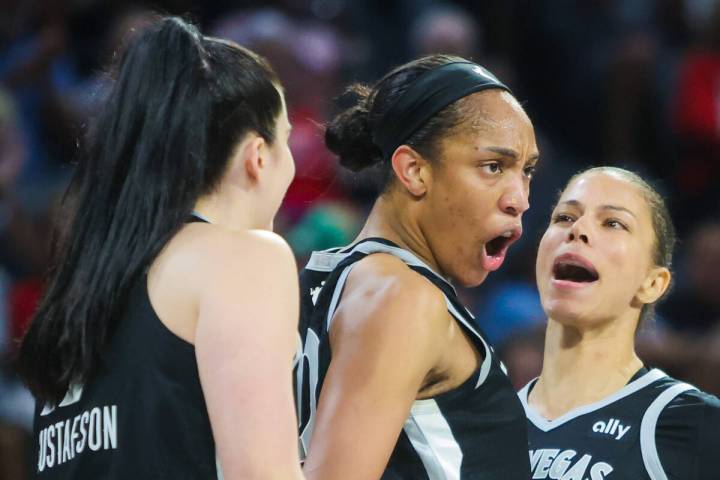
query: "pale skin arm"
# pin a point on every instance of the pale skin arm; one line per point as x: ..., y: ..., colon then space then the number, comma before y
x: 386, y: 335
x: 245, y: 339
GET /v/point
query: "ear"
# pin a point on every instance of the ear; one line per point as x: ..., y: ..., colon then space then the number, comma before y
x: 654, y: 285
x: 251, y: 156
x: 411, y: 170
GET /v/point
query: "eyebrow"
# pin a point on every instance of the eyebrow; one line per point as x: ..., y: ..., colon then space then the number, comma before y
x: 578, y: 204
x: 509, y: 152
x: 618, y: 209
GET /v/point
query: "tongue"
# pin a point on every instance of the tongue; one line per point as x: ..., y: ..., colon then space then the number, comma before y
x: 492, y: 262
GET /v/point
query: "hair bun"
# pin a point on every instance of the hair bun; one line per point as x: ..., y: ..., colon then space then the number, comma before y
x: 349, y: 134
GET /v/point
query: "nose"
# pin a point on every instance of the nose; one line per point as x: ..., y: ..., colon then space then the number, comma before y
x: 515, y: 200
x: 577, y: 232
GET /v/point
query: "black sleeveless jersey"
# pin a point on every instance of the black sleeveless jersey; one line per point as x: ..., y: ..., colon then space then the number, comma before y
x: 476, y: 431
x: 141, y: 416
x: 654, y: 428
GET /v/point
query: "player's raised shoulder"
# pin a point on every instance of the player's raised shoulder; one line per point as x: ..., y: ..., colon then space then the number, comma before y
x: 384, y: 283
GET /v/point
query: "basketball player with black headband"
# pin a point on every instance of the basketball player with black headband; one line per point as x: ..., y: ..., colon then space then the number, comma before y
x: 597, y: 412
x: 396, y: 381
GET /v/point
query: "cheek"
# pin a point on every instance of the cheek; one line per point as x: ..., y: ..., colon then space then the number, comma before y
x: 627, y: 265
x: 621, y: 258
x: 548, y: 244
x: 467, y: 207
x: 287, y: 166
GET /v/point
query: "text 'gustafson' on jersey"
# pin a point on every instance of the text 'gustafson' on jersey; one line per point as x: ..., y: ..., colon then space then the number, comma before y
x: 91, y: 430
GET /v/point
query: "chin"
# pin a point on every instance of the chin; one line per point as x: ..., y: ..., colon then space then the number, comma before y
x: 472, y: 279
x: 563, y: 311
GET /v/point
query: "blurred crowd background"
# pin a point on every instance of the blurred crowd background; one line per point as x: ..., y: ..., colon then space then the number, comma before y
x: 606, y: 82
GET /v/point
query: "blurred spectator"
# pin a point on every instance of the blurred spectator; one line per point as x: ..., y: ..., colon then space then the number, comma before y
x: 325, y: 225
x: 695, y: 304
x: 697, y: 122
x: 522, y: 354
x: 686, y: 341
x: 508, y: 308
x: 306, y: 55
x: 445, y: 29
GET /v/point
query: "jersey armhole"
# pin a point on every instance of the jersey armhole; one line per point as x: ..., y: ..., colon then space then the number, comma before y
x: 337, y: 293
x: 648, y: 445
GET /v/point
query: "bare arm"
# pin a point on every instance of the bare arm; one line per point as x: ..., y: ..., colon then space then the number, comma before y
x: 245, y: 339
x: 386, y: 336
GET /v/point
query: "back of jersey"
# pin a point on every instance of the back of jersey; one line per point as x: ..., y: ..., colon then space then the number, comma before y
x: 141, y: 416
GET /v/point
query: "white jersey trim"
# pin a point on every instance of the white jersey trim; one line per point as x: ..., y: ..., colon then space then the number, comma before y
x: 648, y: 446
x: 218, y: 468
x: 336, y: 295
x: 201, y: 216
x: 487, y: 360
x: 546, y: 425
x: 433, y: 440
x: 327, y: 260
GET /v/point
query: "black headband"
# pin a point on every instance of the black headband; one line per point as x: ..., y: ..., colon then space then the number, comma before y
x: 427, y: 95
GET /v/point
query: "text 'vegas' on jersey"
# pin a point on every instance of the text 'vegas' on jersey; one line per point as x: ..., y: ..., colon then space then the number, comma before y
x: 553, y: 463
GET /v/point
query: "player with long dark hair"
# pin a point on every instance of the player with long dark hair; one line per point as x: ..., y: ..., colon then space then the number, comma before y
x: 170, y: 311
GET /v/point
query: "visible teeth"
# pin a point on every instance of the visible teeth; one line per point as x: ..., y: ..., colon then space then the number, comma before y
x: 507, y: 234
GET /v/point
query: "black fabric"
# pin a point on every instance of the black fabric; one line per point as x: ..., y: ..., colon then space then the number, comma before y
x: 427, y: 95
x: 487, y: 422
x: 687, y: 438
x: 142, y: 416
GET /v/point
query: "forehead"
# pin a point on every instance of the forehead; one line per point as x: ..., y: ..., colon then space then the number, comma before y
x: 494, y: 110
x: 494, y: 117
x: 606, y: 188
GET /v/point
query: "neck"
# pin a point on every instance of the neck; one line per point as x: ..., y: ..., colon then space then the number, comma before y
x: 225, y: 210
x: 396, y: 223
x: 582, y: 366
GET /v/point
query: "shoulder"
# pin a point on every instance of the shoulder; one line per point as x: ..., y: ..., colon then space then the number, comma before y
x: 218, y: 251
x: 246, y: 243
x: 384, y: 282
x: 234, y: 269
x: 385, y: 302
x: 388, y: 275
x: 690, y: 407
x: 687, y: 426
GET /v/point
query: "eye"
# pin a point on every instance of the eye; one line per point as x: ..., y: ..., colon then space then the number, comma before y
x: 615, y: 224
x: 493, y: 168
x: 563, y: 218
x: 530, y: 171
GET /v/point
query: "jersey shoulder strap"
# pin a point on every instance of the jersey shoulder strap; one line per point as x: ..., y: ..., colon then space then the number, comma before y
x: 340, y: 263
x: 648, y: 446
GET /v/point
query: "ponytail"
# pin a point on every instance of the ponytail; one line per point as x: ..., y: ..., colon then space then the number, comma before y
x: 178, y: 105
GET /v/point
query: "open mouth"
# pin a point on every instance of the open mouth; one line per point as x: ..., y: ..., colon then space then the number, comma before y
x: 571, y: 269
x: 498, y: 244
x: 495, y: 250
